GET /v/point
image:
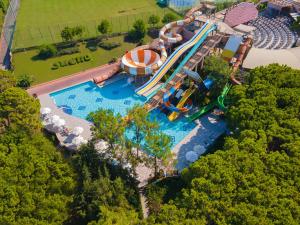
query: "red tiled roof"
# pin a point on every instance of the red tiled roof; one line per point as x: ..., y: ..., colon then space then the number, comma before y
x: 242, y: 13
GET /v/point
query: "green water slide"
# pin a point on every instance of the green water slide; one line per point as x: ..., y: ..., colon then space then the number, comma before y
x: 217, y: 103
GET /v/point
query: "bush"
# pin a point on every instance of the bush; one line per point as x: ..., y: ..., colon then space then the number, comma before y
x: 68, y: 51
x: 169, y: 17
x: 109, y: 45
x: 24, y: 81
x: 71, y: 62
x: 47, y: 51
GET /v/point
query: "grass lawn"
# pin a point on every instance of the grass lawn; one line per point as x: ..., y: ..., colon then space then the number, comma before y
x: 41, y: 69
x: 40, y: 22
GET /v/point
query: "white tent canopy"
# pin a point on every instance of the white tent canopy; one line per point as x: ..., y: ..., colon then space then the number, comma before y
x: 79, y: 140
x: 55, y: 118
x: 77, y: 131
x: 191, y: 156
x: 45, y: 111
x: 60, y: 122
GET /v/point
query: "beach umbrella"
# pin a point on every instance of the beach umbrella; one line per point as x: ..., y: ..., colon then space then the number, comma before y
x: 101, y: 145
x: 45, y: 111
x: 60, y: 122
x: 199, y: 149
x: 77, y: 131
x: 79, y: 140
x: 191, y: 156
x: 55, y: 118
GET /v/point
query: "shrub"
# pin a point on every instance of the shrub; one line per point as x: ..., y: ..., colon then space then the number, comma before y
x: 47, y: 51
x: 68, y: 51
x: 153, y: 20
x: 109, y: 45
x: 24, y: 81
x: 169, y: 17
x: 71, y: 62
x: 104, y: 27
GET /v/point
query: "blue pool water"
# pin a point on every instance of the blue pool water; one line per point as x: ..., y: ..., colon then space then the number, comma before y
x: 80, y: 100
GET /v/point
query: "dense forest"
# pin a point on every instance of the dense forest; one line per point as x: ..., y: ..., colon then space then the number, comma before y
x: 253, y: 178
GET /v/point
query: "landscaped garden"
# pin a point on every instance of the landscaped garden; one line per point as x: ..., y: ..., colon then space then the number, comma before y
x: 42, y: 69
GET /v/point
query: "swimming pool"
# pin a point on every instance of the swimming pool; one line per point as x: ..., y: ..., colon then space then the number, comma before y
x: 81, y: 99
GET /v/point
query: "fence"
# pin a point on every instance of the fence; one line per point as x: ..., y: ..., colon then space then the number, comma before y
x: 30, y: 36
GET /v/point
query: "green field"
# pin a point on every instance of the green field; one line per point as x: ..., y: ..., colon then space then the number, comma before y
x: 24, y: 62
x: 40, y: 22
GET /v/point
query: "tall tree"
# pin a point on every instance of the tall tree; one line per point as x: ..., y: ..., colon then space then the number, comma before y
x: 108, y: 127
x: 153, y: 20
x: 19, y: 111
x: 140, y: 124
x: 158, y: 146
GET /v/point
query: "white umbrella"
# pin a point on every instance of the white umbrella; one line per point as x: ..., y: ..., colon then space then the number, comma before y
x: 60, y: 122
x: 191, y: 156
x: 79, y: 140
x: 101, y: 145
x: 199, y: 149
x: 45, y: 111
x: 77, y: 131
x: 55, y: 118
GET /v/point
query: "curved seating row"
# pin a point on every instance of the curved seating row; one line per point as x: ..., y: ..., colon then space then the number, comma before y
x: 273, y: 33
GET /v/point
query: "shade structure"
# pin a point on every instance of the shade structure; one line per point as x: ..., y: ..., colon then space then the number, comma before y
x: 55, y: 118
x: 191, y: 156
x: 45, y: 111
x: 77, y: 131
x: 79, y: 140
x: 199, y: 149
x: 60, y: 122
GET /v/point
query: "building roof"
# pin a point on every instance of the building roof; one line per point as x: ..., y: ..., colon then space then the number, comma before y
x: 241, y: 13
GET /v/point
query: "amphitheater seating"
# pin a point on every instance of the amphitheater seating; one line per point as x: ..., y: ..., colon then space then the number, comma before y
x: 273, y: 33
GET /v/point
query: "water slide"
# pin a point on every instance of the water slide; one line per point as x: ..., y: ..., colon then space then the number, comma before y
x: 185, y: 60
x: 218, y: 103
x: 203, y: 32
x: 141, y: 61
x: 173, y: 116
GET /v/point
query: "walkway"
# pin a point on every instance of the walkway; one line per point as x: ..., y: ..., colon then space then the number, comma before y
x: 7, y: 33
x: 71, y: 80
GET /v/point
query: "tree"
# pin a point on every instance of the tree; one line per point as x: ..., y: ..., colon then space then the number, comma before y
x: 24, y: 81
x: 19, y: 111
x: 139, y: 30
x: 36, y: 183
x: 140, y: 124
x: 169, y: 17
x: 252, y: 179
x: 153, y: 20
x: 77, y: 31
x: 104, y: 27
x: 47, y: 51
x: 7, y: 80
x: 158, y: 146
x: 219, y: 70
x: 102, y: 188
x: 108, y: 127
x: 67, y: 34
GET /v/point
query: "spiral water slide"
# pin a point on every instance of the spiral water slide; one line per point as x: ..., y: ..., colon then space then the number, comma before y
x: 146, y: 62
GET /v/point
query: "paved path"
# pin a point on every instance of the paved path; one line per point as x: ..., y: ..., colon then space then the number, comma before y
x: 7, y: 33
x: 71, y: 80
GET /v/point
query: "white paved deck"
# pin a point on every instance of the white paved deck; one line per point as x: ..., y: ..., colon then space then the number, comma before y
x: 208, y: 129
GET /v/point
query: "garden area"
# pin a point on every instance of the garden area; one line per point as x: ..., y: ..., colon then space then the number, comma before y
x: 56, y: 46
